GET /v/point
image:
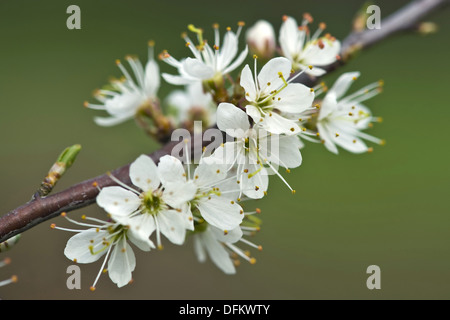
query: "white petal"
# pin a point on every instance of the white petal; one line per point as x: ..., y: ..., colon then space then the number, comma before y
x: 171, y: 170
x: 255, y: 181
x: 315, y: 71
x: 187, y: 216
x: 278, y: 124
x: 172, y: 225
x: 226, y: 154
x: 365, y: 122
x: 326, y: 137
x: 282, y: 150
x: 295, y: 98
x: 351, y: 143
x: 239, y: 60
x: 152, y: 78
x: 232, y: 120
x: 254, y: 113
x: 143, y: 225
x: 77, y: 248
x: 269, y: 76
x: 209, y: 172
x: 144, y: 173
x: 230, y: 236
x: 177, y: 80
x: 198, y: 69
x: 348, y: 138
x: 143, y: 243
x: 289, y: 37
x: 118, y: 201
x: 248, y: 83
x: 198, y: 248
x: 121, y: 263
x: 111, y: 121
x: 198, y: 97
x: 313, y: 55
x: 343, y: 83
x: 125, y: 104
x: 219, y: 256
x: 328, y: 106
x: 228, y: 50
x: 177, y: 194
x: 221, y: 212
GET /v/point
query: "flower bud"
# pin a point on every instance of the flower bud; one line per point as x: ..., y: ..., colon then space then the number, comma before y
x: 261, y: 39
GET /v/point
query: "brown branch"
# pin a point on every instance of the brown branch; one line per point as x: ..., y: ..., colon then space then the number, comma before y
x: 84, y: 193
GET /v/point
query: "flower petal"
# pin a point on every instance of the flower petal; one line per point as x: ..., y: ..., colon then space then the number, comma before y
x: 143, y: 243
x: 152, y: 78
x: 118, y: 201
x: 143, y: 225
x: 289, y: 38
x: 248, y: 83
x: 177, y: 80
x: 295, y: 98
x: 254, y: 180
x: 269, y: 76
x: 78, y: 246
x: 326, y: 138
x: 278, y: 124
x: 172, y: 226
x: 228, y: 50
x: 314, y: 55
x: 221, y: 212
x: 171, y: 170
x: 121, y: 263
x: 144, y: 173
x: 219, y: 256
x: 197, y: 69
x: 209, y: 172
x: 343, y: 83
x: 315, y: 71
x: 328, y: 106
x: 231, y: 236
x: 281, y: 150
x: 111, y: 121
x: 198, y: 248
x: 236, y: 63
x: 254, y: 113
x: 232, y: 120
x: 226, y: 154
x: 178, y: 194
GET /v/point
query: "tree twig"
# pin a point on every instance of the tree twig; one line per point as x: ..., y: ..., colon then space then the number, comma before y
x: 84, y: 193
x: 405, y: 19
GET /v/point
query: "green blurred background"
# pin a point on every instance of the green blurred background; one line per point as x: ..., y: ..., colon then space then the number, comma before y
x: 389, y: 208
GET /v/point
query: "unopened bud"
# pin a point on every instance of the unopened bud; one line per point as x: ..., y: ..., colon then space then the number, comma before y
x: 261, y: 39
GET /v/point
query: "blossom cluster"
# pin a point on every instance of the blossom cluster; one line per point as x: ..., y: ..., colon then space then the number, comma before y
x: 254, y: 97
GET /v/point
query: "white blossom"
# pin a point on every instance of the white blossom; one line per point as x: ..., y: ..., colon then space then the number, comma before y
x: 217, y: 209
x: 124, y: 97
x: 254, y: 152
x: 209, y: 63
x: 154, y: 207
x: 109, y: 239
x: 192, y: 104
x: 220, y: 246
x: 271, y: 97
x: 342, y: 118
x: 305, y: 51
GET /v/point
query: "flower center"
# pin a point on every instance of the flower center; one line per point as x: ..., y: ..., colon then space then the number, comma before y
x: 151, y: 202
